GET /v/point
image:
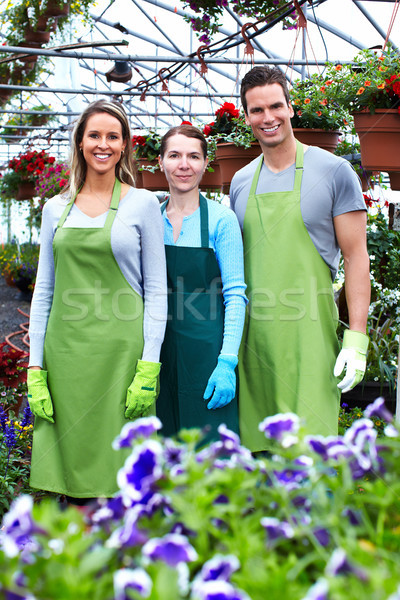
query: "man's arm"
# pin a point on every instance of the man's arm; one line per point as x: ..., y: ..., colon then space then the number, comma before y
x: 350, y: 229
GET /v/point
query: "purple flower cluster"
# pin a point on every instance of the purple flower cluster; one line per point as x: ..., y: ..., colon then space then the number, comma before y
x: 281, y: 427
x: 18, y: 529
x: 213, y: 581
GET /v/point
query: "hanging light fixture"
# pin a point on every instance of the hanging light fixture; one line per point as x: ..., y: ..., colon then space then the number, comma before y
x: 120, y: 72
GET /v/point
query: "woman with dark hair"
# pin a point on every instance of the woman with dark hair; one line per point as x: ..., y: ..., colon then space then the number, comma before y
x: 98, y: 311
x: 206, y: 295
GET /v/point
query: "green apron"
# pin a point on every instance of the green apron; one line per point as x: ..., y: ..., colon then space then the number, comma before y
x: 289, y: 343
x: 193, y: 338
x: 93, y: 339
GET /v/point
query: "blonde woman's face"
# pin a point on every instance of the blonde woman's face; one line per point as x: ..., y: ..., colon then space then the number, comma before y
x: 102, y: 143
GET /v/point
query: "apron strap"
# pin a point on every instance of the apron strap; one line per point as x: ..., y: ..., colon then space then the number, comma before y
x: 111, y: 213
x: 298, y: 170
x: 116, y: 194
x: 203, y: 220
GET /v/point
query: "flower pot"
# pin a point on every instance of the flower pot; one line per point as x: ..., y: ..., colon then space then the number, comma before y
x: 211, y: 180
x: 139, y: 180
x: 231, y: 158
x: 56, y: 9
x: 379, y: 136
x: 366, y: 392
x: 155, y: 182
x: 394, y: 177
x: 327, y: 140
x: 29, y: 59
x: 41, y: 37
x: 26, y: 190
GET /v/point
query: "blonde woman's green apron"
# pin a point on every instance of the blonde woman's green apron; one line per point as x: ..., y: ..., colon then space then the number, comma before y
x: 289, y: 343
x: 93, y: 339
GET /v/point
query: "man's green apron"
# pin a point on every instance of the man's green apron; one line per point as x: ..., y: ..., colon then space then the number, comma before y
x: 289, y: 343
x: 193, y: 338
x: 93, y: 339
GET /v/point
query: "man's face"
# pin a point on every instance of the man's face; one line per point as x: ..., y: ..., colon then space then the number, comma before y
x: 269, y: 115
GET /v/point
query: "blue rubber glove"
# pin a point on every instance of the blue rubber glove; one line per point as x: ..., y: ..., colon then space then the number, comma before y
x: 222, y: 383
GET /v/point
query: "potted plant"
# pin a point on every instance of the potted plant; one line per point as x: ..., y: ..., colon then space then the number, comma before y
x: 147, y: 149
x: 209, y: 14
x: 28, y: 166
x: 230, y: 141
x: 319, y: 118
x: 371, y: 91
x: 33, y: 118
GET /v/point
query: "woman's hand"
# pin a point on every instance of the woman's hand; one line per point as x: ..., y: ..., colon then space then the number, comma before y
x: 222, y: 383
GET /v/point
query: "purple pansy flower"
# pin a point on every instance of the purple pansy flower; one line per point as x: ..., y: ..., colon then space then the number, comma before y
x: 282, y: 428
x: 353, y: 516
x: 128, y: 535
x: 378, y: 409
x: 18, y: 527
x: 391, y: 431
x: 144, y: 427
x: 141, y: 470
x: 172, y: 549
x: 219, y: 590
x: 219, y: 567
x: 319, y: 591
x: 276, y: 529
x: 173, y: 453
x: 339, y: 565
x: 322, y: 535
x: 133, y: 579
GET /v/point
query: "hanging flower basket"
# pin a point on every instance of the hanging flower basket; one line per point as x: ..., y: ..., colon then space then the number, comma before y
x: 211, y: 180
x: 26, y: 190
x: 153, y: 181
x: 379, y: 135
x: 325, y: 139
x: 56, y: 9
x: 231, y: 158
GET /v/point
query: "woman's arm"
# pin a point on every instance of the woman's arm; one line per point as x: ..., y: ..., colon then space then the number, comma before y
x: 229, y: 253
x: 44, y: 287
x: 154, y: 281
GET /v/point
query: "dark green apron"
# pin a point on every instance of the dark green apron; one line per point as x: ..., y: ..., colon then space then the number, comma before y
x: 193, y: 338
x: 289, y: 344
x: 94, y: 337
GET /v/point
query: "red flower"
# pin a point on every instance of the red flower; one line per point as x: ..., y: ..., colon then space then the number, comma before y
x: 227, y: 108
x: 208, y: 128
x: 186, y: 123
x: 138, y: 140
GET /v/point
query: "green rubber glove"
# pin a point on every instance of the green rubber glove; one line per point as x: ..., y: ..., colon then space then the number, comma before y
x: 39, y: 396
x: 143, y: 391
x: 352, y: 357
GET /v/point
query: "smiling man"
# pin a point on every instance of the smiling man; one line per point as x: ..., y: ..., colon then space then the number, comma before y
x: 298, y: 207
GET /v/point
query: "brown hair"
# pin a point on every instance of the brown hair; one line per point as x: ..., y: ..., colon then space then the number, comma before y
x: 187, y: 130
x: 124, y: 169
x: 259, y: 76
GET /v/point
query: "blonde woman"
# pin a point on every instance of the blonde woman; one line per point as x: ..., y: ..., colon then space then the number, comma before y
x: 98, y: 312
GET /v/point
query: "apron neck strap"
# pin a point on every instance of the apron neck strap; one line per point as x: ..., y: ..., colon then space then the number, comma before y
x: 116, y: 193
x: 298, y: 169
x: 203, y: 220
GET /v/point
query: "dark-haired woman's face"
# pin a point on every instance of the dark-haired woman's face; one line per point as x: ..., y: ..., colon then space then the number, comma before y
x: 102, y: 143
x: 183, y: 163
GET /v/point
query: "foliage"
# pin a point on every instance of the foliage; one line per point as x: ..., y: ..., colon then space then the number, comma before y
x: 316, y: 105
x: 15, y: 454
x: 374, y: 81
x: 12, y: 364
x: 147, y: 146
x: 209, y: 14
x: 383, y: 248
x: 214, y: 522
x: 9, y: 183
x: 51, y: 181
x: 347, y: 417
x: 20, y: 261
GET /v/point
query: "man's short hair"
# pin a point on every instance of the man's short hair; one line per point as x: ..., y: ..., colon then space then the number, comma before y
x: 259, y: 76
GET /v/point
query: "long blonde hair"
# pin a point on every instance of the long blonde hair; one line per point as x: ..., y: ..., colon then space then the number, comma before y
x: 125, y: 169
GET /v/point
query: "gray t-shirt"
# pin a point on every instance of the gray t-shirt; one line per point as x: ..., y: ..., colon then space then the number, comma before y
x: 329, y: 187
